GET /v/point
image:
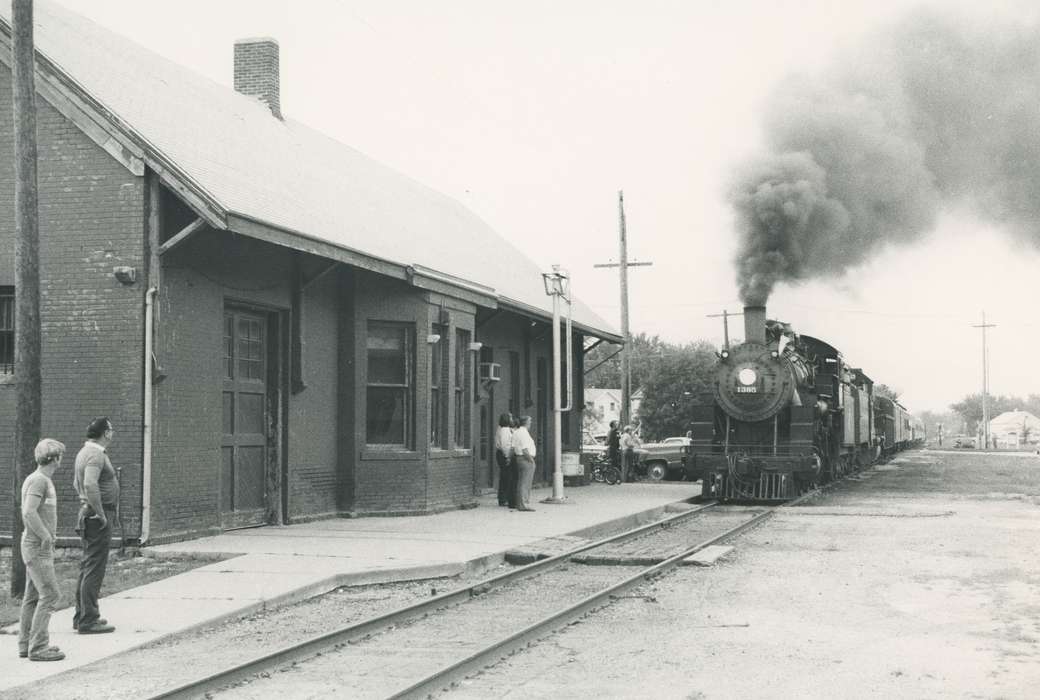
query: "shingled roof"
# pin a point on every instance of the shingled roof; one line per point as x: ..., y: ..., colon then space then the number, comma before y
x: 255, y: 172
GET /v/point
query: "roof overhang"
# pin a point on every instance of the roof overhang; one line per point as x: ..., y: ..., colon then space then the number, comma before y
x: 536, y: 313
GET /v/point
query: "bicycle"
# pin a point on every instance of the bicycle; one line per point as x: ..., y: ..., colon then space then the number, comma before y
x: 605, y: 472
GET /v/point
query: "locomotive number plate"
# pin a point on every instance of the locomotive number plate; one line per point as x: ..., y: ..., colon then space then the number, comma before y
x: 747, y: 389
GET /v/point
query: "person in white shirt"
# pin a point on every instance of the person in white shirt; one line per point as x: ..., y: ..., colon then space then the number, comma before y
x: 629, y: 442
x: 506, y: 463
x: 525, y: 451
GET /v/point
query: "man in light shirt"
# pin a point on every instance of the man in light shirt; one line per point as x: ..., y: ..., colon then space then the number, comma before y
x: 525, y: 451
x: 40, y: 515
x: 506, y: 464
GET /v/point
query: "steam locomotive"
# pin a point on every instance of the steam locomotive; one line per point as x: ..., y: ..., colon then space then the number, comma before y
x: 787, y: 412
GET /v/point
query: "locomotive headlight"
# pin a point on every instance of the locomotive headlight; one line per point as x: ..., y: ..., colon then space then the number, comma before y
x: 747, y: 376
x: 724, y: 354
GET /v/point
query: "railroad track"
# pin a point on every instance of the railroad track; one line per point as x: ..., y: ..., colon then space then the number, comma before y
x: 421, y: 648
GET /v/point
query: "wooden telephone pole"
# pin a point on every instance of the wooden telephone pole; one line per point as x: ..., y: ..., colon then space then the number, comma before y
x: 27, y: 272
x: 725, y: 324
x: 626, y: 350
x: 985, y: 382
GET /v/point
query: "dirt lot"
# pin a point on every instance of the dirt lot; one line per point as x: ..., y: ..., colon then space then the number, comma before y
x: 917, y: 581
x: 922, y: 580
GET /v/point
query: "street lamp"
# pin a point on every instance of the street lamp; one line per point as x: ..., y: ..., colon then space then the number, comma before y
x: 557, y: 285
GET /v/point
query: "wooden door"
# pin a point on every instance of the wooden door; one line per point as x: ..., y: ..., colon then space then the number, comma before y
x: 244, y: 448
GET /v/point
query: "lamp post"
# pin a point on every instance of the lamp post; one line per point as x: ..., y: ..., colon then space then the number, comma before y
x: 557, y: 285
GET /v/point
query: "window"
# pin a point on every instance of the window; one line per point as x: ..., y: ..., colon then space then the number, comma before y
x: 436, y: 383
x: 6, y: 330
x: 514, y: 383
x: 462, y: 420
x: 390, y: 349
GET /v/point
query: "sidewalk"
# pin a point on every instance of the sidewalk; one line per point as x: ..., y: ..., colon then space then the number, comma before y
x: 285, y: 564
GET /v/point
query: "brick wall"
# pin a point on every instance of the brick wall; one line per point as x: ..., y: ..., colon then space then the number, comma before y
x: 91, y: 220
x: 210, y: 271
x: 389, y: 481
x: 313, y: 413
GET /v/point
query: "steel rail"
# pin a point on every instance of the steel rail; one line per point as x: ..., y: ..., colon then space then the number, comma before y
x: 330, y: 640
x: 503, y: 647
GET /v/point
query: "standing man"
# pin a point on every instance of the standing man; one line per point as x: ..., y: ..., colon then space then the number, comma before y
x: 614, y: 445
x: 98, y: 489
x: 525, y: 451
x: 40, y: 515
x: 506, y: 463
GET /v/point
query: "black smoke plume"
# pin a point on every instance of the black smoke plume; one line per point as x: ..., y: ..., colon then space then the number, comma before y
x: 931, y: 112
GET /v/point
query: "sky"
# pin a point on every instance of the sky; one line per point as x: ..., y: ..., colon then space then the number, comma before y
x: 535, y: 114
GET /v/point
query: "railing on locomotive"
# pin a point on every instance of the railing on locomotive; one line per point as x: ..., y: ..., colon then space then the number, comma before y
x: 780, y: 450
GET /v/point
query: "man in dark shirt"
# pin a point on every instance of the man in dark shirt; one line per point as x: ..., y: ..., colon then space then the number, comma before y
x: 614, y: 445
x: 98, y: 489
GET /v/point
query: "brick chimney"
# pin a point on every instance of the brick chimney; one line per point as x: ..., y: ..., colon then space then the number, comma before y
x: 256, y: 71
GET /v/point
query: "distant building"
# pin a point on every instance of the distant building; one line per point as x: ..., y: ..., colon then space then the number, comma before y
x: 605, y: 404
x: 1014, y: 428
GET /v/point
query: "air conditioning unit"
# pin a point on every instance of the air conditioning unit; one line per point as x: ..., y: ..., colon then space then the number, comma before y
x: 490, y: 372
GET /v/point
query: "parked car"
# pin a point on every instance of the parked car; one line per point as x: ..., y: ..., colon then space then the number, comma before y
x: 594, y: 445
x: 664, y: 459
x: 964, y: 441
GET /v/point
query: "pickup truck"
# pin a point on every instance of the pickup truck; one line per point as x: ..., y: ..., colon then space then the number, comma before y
x: 664, y: 459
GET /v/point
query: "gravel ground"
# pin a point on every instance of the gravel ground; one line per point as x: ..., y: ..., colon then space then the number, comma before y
x: 182, y: 658
x: 917, y: 581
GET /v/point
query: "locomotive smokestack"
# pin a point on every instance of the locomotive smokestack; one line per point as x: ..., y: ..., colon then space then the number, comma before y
x: 755, y: 324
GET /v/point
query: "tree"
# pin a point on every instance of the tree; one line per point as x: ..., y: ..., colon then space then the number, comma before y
x: 676, y: 376
x: 591, y: 418
x: 970, y: 409
x: 886, y: 391
x: 604, y: 362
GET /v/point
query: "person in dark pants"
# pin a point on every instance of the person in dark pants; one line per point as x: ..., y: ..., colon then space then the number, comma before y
x: 614, y: 445
x: 506, y: 462
x: 525, y: 451
x: 98, y: 489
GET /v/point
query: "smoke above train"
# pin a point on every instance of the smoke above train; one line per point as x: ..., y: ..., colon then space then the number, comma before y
x: 931, y: 112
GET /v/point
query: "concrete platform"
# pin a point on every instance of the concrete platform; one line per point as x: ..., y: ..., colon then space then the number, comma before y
x: 279, y: 565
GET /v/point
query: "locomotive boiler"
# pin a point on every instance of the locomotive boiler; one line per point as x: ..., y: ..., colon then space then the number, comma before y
x: 786, y: 412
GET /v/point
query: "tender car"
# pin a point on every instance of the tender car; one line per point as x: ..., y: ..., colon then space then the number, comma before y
x: 664, y: 459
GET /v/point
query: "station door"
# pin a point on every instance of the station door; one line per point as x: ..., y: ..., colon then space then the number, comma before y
x: 246, y: 425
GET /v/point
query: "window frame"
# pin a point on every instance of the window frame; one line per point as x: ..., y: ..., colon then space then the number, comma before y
x: 407, y: 388
x: 438, y: 383
x: 7, y: 298
x: 462, y: 437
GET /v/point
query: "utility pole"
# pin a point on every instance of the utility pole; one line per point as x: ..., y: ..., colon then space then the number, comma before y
x: 626, y: 350
x: 725, y: 324
x: 985, y: 382
x: 27, y: 272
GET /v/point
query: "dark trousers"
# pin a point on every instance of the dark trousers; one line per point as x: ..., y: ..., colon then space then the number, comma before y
x: 506, y: 480
x: 96, y: 540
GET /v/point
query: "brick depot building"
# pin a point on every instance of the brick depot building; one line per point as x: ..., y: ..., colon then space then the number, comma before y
x: 280, y: 328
